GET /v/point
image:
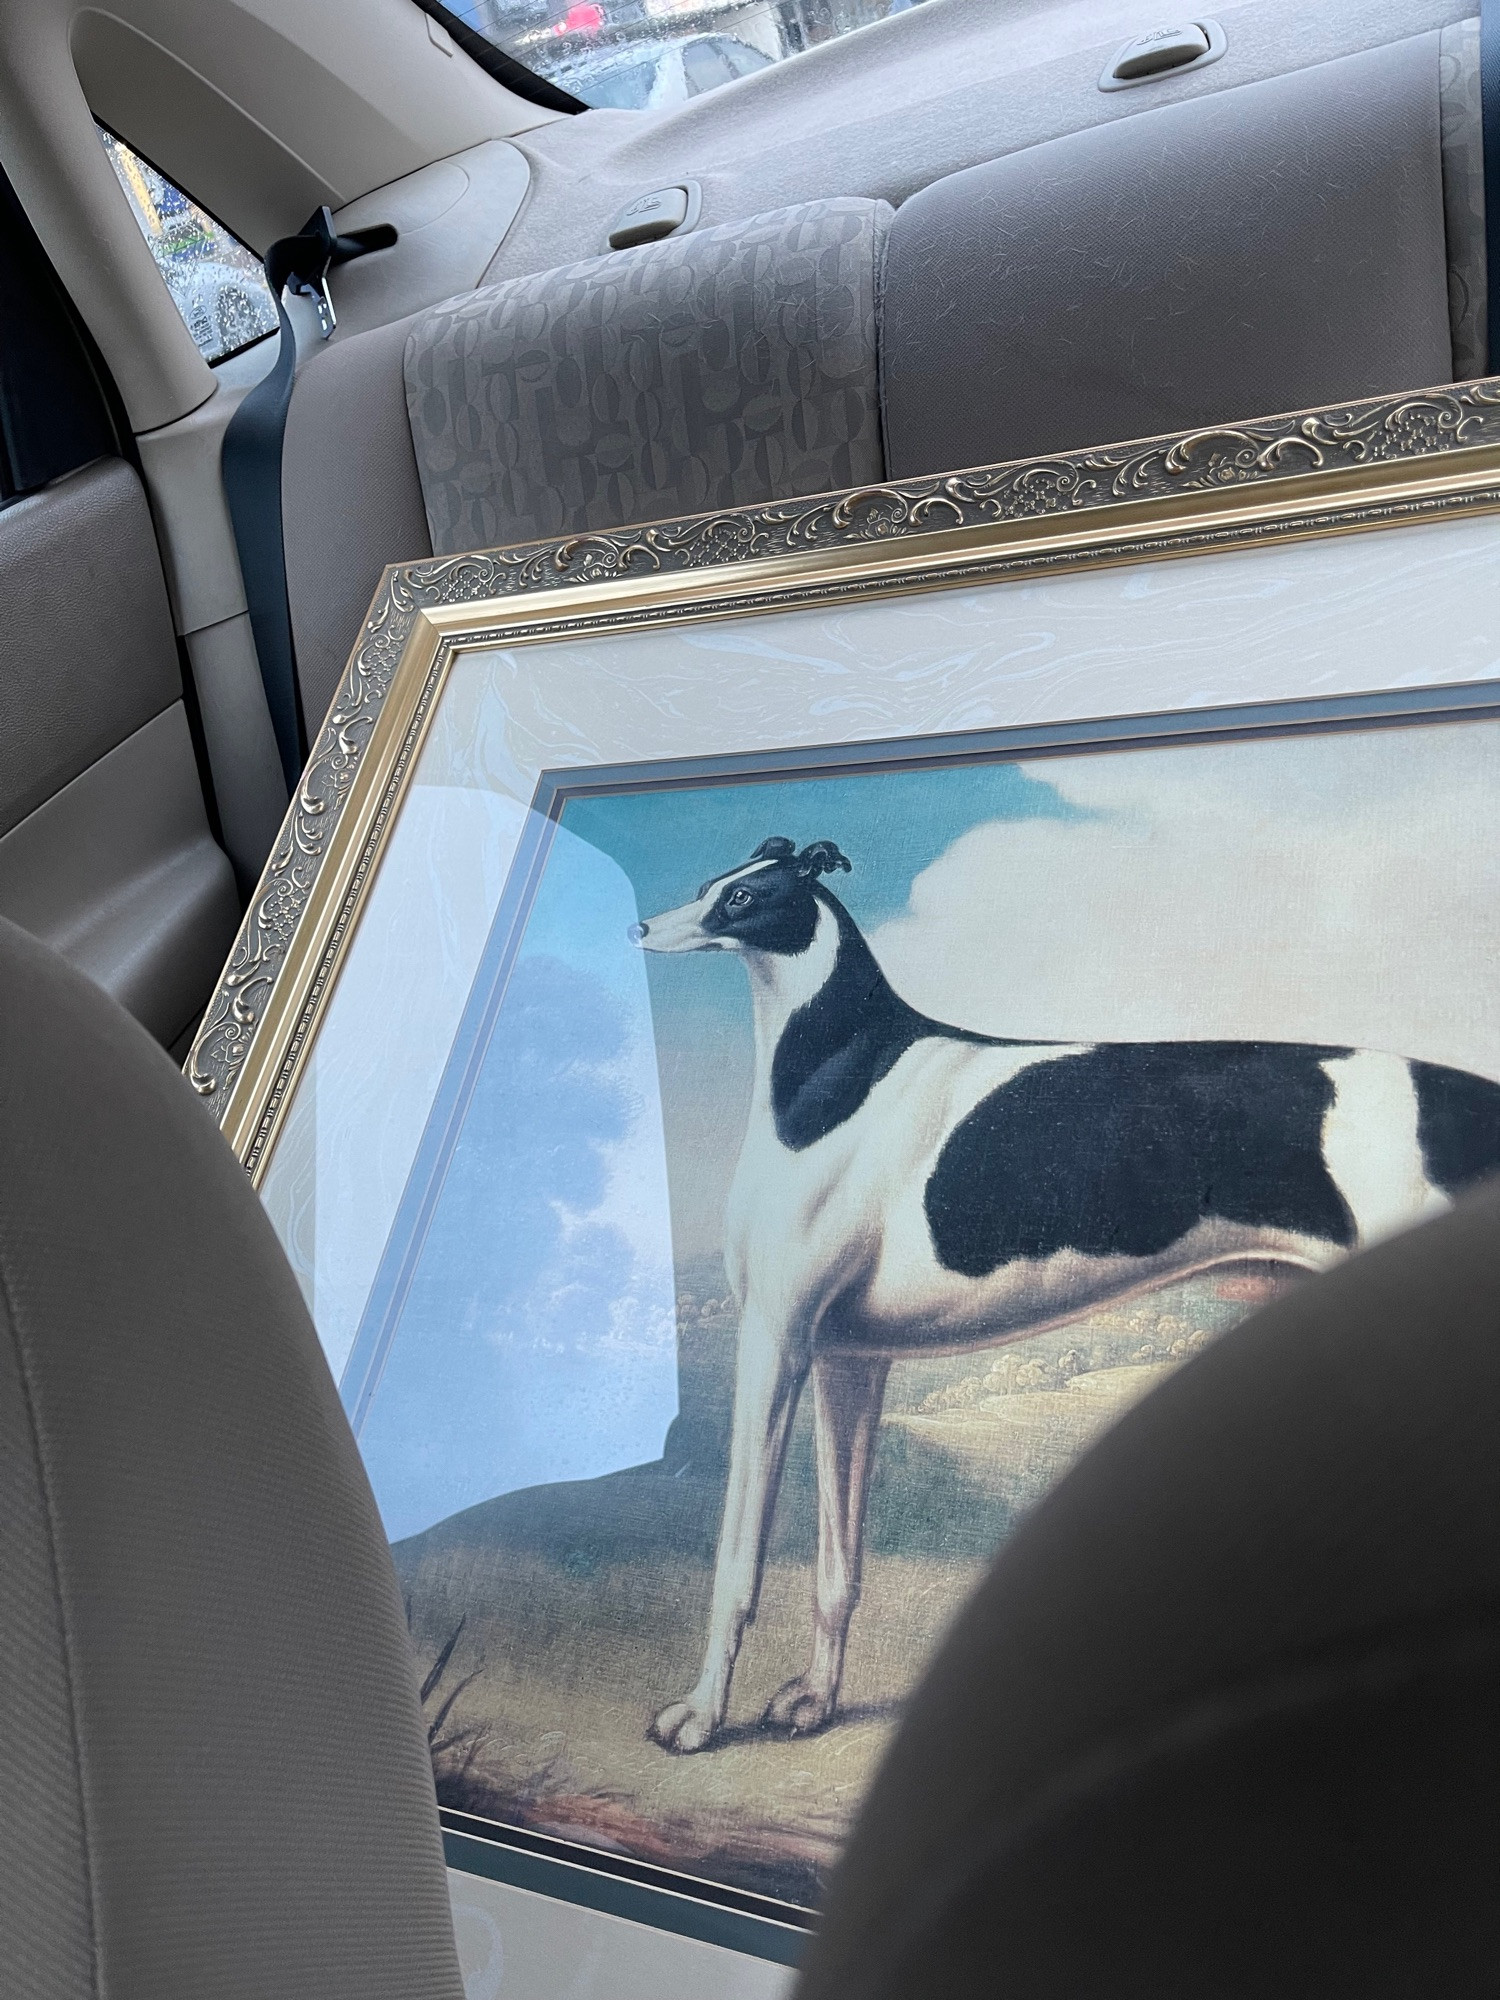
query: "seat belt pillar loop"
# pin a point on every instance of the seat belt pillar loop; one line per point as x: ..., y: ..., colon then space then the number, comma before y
x: 251, y: 468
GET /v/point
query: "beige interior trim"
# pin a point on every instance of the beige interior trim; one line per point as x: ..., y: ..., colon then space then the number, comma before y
x: 249, y: 788
x: 259, y: 108
x: 181, y: 466
x: 119, y: 873
x: 262, y: 109
x: 68, y: 188
x: 240, y: 171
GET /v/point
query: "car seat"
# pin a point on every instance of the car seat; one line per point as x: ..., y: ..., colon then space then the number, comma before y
x: 1287, y: 244
x: 1276, y: 247
x: 717, y: 369
x: 214, y: 1784
x: 1224, y: 1719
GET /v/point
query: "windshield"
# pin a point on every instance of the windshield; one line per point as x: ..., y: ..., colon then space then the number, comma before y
x: 638, y: 55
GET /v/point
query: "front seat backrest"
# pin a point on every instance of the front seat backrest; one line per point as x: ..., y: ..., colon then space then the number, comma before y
x: 1223, y: 1721
x: 1275, y: 247
x: 213, y: 1779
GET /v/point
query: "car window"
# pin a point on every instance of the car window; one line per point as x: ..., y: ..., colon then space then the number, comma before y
x: 55, y: 414
x: 741, y: 58
x: 704, y: 65
x: 215, y: 280
x: 624, y: 86
x: 592, y: 47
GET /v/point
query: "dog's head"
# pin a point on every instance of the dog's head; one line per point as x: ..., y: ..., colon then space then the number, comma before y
x: 769, y: 903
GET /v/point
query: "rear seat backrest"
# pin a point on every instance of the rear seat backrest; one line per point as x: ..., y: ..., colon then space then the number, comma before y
x: 1270, y: 248
x: 1461, y: 109
x: 718, y: 369
x: 1300, y: 241
x: 351, y: 501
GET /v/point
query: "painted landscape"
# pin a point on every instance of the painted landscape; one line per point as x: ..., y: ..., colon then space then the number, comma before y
x: 549, y: 1439
x: 580, y: 1607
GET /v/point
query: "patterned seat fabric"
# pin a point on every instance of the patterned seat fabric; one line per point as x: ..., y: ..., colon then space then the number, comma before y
x: 1461, y: 113
x: 719, y: 369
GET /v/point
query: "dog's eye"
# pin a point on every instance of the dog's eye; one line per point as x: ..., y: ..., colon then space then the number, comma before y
x: 738, y: 899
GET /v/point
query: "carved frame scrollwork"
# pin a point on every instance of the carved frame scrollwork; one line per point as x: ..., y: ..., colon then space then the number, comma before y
x: 1322, y: 472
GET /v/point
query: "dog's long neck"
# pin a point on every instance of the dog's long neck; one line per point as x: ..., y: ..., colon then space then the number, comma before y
x: 782, y: 983
x: 828, y: 1027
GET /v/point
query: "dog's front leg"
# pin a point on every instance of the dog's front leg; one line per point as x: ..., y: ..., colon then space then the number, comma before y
x: 769, y: 1372
x: 848, y: 1392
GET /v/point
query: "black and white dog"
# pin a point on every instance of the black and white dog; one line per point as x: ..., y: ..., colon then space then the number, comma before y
x: 908, y: 1187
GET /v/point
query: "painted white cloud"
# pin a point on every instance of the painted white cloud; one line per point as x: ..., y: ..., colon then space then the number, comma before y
x: 330, y: 1190
x: 635, y: 1207
x: 1342, y: 888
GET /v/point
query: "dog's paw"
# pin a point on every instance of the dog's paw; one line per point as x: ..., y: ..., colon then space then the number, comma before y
x: 799, y: 1708
x: 682, y: 1728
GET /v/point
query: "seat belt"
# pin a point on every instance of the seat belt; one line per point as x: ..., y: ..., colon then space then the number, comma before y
x: 251, y: 467
x: 1489, y: 121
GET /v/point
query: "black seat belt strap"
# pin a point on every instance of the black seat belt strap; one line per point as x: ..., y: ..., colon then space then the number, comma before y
x: 251, y: 466
x: 1489, y: 114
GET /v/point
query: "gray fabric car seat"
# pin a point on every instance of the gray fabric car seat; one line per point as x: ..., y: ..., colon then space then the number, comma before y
x: 1275, y: 247
x: 1224, y: 1718
x: 718, y: 369
x: 213, y: 1779
x: 1301, y: 241
x: 351, y: 500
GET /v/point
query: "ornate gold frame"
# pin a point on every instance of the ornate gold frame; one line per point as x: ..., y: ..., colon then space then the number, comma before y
x: 1368, y: 465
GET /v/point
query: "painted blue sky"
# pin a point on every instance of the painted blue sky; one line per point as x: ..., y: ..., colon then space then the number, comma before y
x: 890, y: 824
x: 1337, y: 888
x: 538, y: 1339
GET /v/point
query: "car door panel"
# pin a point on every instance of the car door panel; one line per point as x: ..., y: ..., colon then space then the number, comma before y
x: 105, y: 845
x: 119, y: 872
x: 89, y: 653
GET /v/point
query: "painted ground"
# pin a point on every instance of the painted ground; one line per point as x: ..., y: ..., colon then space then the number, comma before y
x: 580, y: 1609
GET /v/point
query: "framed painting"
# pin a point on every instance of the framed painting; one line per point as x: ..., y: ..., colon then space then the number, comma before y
x: 761, y: 1035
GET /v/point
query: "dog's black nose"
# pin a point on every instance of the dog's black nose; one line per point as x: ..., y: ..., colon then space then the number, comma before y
x: 637, y: 932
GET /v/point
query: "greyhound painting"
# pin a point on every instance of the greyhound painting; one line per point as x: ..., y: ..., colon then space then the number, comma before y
x: 906, y: 1187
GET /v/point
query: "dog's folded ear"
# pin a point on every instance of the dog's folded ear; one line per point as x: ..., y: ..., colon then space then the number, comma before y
x: 777, y: 848
x: 821, y: 857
